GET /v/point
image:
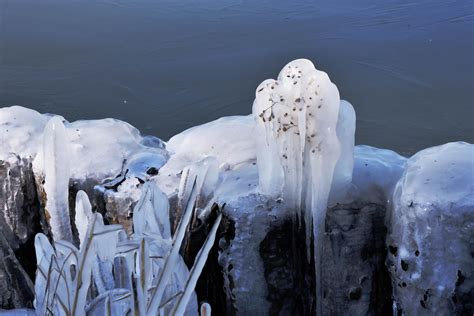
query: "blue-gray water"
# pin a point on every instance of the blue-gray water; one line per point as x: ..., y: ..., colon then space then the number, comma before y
x: 406, y: 66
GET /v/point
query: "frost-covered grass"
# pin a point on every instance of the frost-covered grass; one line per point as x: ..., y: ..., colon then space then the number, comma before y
x: 108, y: 272
x: 111, y: 274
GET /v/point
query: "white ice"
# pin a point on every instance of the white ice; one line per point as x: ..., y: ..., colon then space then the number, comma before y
x: 98, y: 148
x: 298, y: 145
x: 432, y: 225
x: 56, y: 158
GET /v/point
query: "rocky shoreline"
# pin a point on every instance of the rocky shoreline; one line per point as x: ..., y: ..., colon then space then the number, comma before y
x: 398, y: 241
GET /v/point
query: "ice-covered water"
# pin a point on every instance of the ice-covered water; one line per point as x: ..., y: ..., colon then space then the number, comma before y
x: 167, y: 65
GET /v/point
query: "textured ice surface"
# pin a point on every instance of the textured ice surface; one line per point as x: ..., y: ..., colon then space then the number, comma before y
x: 21, y: 130
x: 230, y: 140
x: 376, y: 171
x: 432, y: 231
x: 100, y: 147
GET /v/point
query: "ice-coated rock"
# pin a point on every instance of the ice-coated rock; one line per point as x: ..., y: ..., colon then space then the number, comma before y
x: 376, y: 172
x: 432, y: 232
x: 21, y: 130
x: 99, y: 148
x: 230, y: 140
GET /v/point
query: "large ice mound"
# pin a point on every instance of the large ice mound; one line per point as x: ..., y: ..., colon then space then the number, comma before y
x: 432, y: 230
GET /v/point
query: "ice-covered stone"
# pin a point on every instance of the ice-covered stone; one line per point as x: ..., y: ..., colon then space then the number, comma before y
x: 230, y: 140
x: 432, y: 231
x: 21, y: 130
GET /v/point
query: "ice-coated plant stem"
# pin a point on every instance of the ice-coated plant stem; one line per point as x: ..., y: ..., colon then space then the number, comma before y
x: 196, y: 270
x: 172, y: 258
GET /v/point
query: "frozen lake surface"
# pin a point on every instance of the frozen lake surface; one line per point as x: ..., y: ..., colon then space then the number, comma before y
x: 163, y: 66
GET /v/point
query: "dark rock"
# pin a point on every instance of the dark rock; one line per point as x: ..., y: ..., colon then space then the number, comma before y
x: 355, y: 279
x: 16, y: 288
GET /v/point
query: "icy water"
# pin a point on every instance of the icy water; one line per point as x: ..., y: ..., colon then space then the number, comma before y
x: 164, y: 66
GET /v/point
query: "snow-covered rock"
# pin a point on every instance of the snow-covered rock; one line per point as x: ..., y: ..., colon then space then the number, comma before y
x: 432, y: 232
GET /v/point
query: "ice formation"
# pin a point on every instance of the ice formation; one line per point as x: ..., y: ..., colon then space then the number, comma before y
x: 376, y: 172
x: 64, y: 272
x: 83, y: 216
x: 345, y: 131
x: 21, y: 130
x: 112, y: 272
x: 298, y: 145
x: 97, y: 147
x: 432, y: 229
x: 229, y: 140
x: 294, y: 155
x: 151, y: 213
x: 202, y: 176
x: 56, y: 155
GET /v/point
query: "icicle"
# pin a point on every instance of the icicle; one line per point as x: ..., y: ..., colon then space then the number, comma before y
x: 57, y: 173
x: 346, y: 125
x: 83, y: 215
x: 205, y: 309
x: 269, y: 169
